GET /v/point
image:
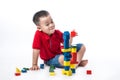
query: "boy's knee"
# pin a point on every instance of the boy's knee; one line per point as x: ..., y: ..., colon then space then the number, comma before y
x: 61, y: 59
x: 83, y: 48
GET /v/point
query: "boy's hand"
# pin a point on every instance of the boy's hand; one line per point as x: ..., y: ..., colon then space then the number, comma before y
x: 34, y: 67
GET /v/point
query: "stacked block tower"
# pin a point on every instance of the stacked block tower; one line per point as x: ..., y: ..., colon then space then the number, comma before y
x: 69, y: 56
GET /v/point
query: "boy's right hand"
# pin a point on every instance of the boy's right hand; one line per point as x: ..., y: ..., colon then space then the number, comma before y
x: 34, y: 67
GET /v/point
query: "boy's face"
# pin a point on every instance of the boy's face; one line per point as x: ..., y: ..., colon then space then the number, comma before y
x: 47, y: 25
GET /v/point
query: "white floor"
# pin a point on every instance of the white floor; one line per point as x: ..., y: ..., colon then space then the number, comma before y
x: 102, y: 68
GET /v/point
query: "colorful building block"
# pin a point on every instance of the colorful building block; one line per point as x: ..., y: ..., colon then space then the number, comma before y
x: 72, y: 66
x: 51, y: 69
x: 18, y: 70
x: 66, y: 63
x: 52, y: 73
x: 41, y: 66
x: 23, y: 70
x: 73, y: 70
x: 89, y: 72
x: 68, y: 73
x: 17, y: 74
x: 66, y: 50
x: 70, y: 56
x: 26, y: 68
x: 73, y: 33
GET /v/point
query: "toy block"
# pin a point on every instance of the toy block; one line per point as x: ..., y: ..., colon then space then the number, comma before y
x: 73, y: 62
x: 17, y: 74
x: 66, y: 35
x: 51, y: 69
x: 74, y: 56
x: 66, y: 68
x: 26, y: 68
x: 41, y: 66
x: 18, y: 70
x: 66, y: 63
x: 52, y: 66
x: 72, y: 66
x: 67, y: 55
x: 89, y: 72
x: 73, y: 70
x: 66, y: 59
x: 68, y: 73
x: 73, y: 33
x: 66, y: 44
x: 73, y: 50
x: 23, y: 70
x: 52, y: 73
x: 66, y: 50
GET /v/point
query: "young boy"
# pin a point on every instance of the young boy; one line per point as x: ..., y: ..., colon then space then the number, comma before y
x: 47, y: 42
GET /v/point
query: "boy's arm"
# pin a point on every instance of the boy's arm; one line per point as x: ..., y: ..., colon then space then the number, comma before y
x: 72, y: 35
x: 70, y: 40
x: 35, y: 59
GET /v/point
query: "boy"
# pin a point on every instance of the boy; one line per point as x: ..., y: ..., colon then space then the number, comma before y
x: 47, y: 42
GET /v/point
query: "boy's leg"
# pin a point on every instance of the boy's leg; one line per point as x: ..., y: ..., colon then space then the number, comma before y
x: 61, y: 60
x: 80, y: 55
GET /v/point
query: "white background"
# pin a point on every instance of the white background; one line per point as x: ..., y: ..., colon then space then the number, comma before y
x: 96, y: 21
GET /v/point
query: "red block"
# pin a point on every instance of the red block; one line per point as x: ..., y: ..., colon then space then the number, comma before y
x: 89, y: 72
x: 17, y: 74
x: 73, y: 33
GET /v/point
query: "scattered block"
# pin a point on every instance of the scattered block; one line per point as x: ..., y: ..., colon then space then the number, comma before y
x: 89, y: 72
x: 52, y: 73
x: 41, y: 66
x: 23, y: 70
x: 26, y: 68
x: 17, y: 74
x: 18, y: 70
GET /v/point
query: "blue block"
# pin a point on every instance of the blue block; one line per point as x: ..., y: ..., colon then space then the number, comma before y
x: 41, y: 66
x: 66, y: 44
x: 67, y: 55
x: 66, y: 35
x: 66, y: 59
x: 73, y: 70
x: 66, y: 68
x: 23, y: 70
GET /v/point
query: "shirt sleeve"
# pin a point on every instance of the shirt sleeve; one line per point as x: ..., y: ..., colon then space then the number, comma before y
x: 36, y: 41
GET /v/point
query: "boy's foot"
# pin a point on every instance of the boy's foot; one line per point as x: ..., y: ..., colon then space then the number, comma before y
x: 83, y: 63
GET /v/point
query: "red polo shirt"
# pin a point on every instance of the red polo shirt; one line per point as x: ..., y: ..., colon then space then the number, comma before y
x: 49, y: 45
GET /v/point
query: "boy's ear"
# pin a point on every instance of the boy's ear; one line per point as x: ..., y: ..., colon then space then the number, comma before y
x: 38, y: 26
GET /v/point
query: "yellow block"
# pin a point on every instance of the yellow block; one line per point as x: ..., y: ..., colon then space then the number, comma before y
x: 52, y: 73
x: 66, y: 50
x: 73, y: 66
x: 18, y: 70
x: 68, y: 73
x: 73, y: 50
x: 66, y: 63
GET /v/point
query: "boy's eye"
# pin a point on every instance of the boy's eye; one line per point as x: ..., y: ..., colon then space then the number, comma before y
x: 47, y: 24
x: 51, y: 21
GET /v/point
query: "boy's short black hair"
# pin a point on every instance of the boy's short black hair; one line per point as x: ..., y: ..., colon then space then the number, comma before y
x: 37, y: 15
